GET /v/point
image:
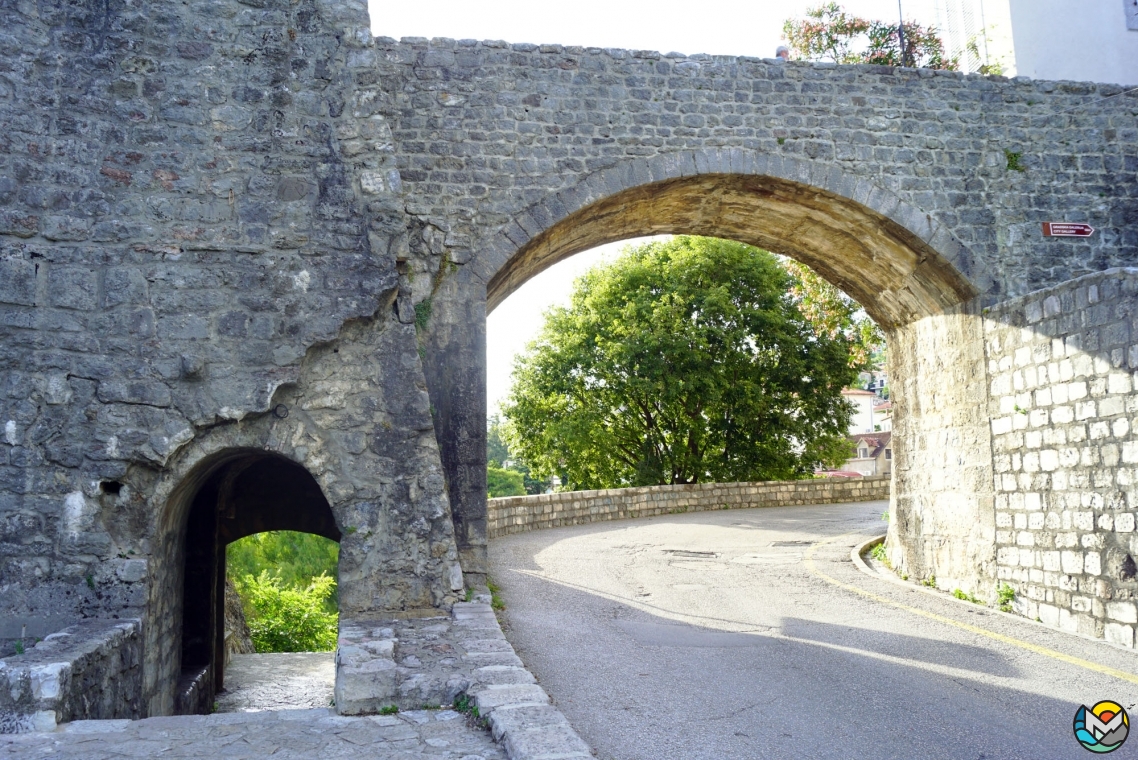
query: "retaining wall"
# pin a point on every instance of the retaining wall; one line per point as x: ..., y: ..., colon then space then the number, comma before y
x: 518, y: 514
x: 92, y: 670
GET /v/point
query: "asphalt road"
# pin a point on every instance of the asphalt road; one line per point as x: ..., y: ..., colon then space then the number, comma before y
x: 715, y: 635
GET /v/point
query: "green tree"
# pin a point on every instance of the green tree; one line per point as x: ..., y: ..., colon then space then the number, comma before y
x: 829, y: 33
x: 288, y: 618
x: 498, y: 456
x: 833, y: 313
x: 497, y: 452
x: 294, y: 558
x: 680, y: 362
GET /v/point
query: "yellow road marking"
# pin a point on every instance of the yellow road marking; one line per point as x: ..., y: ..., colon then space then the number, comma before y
x: 808, y: 560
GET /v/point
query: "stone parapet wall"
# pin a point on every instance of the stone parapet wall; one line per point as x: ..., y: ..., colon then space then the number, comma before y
x: 519, y: 514
x: 1062, y: 363
x: 92, y: 670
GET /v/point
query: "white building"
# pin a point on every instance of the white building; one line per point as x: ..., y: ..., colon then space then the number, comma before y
x: 1083, y: 40
x: 862, y: 419
x: 883, y: 416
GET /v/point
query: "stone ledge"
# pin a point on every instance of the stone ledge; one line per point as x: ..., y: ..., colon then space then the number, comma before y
x: 410, y: 663
x: 536, y: 732
x: 90, y: 670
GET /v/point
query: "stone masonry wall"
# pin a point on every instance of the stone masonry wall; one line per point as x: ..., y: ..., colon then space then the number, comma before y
x: 200, y: 220
x: 486, y: 129
x: 498, y: 144
x: 942, y: 510
x: 519, y: 514
x: 88, y: 671
x: 1064, y: 424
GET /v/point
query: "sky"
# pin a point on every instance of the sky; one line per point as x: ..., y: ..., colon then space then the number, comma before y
x: 717, y: 27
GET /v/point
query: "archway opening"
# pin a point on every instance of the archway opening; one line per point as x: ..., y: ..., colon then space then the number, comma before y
x: 689, y: 360
x: 890, y: 268
x: 245, y: 494
x: 905, y: 269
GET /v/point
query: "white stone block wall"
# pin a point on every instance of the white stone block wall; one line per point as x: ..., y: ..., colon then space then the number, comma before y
x: 1062, y: 369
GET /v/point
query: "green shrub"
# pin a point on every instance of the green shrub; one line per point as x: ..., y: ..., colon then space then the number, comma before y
x: 288, y: 618
x: 501, y: 482
x: 1005, y: 596
x: 965, y: 596
x: 294, y: 558
x: 495, y: 600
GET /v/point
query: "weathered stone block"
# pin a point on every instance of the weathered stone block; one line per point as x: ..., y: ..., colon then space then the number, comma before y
x: 18, y: 282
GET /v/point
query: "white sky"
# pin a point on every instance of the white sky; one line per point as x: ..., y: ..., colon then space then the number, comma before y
x: 718, y: 27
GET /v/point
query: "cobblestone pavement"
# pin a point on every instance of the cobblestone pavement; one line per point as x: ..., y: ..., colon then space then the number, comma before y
x: 410, y: 663
x: 278, y: 681
x: 283, y: 734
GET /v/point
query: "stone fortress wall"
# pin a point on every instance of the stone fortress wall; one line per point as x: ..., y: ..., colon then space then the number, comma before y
x: 199, y: 223
x: 1062, y: 365
x: 520, y: 514
x: 235, y: 228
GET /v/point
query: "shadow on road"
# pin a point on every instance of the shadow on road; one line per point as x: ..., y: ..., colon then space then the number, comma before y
x: 859, y: 680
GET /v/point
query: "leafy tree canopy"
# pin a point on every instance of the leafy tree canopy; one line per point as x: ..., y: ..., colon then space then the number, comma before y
x: 502, y: 466
x: 497, y: 451
x: 834, y: 314
x: 288, y: 618
x: 828, y: 33
x: 503, y: 482
x: 293, y: 558
x: 680, y: 362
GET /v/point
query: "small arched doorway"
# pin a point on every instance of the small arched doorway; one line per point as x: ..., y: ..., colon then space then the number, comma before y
x: 247, y: 492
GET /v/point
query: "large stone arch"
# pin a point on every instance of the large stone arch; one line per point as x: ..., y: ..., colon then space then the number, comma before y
x: 920, y: 283
x: 892, y: 257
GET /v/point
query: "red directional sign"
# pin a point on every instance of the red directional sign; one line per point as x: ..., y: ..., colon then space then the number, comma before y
x: 1067, y: 229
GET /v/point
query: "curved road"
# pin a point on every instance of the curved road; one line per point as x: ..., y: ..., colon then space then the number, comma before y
x: 749, y: 634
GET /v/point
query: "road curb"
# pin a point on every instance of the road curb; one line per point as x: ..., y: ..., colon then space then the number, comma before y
x: 520, y: 716
x: 857, y: 551
x: 863, y: 566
